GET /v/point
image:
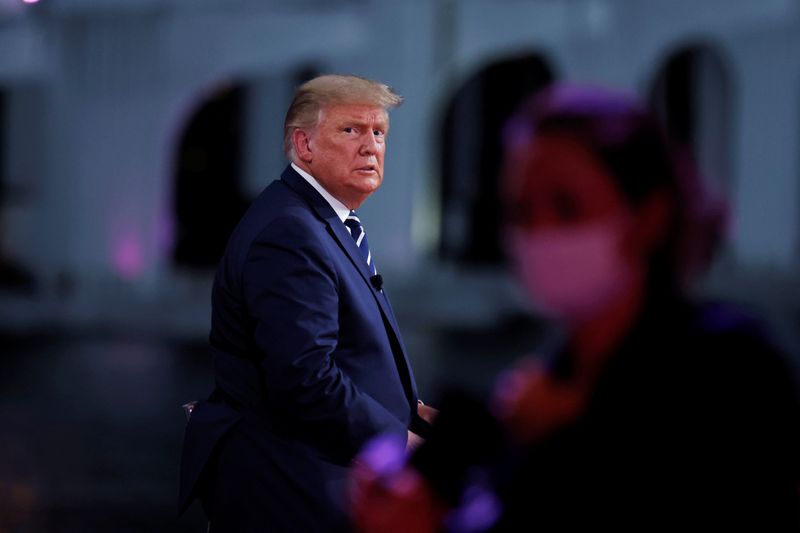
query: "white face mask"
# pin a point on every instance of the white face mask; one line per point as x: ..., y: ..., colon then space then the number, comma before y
x: 574, y: 272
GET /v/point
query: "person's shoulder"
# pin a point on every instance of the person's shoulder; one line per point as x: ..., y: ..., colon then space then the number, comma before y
x: 719, y: 318
x: 276, y: 204
x: 736, y: 338
x: 734, y: 323
x: 277, y: 199
x: 276, y: 214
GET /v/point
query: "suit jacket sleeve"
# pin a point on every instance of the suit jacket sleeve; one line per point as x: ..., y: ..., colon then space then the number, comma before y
x: 290, y: 288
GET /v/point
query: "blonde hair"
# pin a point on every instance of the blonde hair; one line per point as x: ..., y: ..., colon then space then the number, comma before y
x: 332, y: 89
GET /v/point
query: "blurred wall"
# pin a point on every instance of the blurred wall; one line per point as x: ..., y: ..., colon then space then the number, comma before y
x: 98, y: 96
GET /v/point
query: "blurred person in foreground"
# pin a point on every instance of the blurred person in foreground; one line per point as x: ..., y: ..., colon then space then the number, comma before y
x: 308, y: 358
x: 658, y: 412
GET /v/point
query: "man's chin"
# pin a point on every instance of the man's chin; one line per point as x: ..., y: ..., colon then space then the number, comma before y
x: 370, y: 184
x: 361, y: 193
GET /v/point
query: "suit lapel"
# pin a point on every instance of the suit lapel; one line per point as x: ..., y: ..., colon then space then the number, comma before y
x: 335, y: 226
x: 339, y: 232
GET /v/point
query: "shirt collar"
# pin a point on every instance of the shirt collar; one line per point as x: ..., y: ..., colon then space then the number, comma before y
x: 342, y: 211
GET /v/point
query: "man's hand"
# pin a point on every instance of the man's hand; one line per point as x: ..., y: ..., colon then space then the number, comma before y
x: 414, y: 441
x: 427, y: 413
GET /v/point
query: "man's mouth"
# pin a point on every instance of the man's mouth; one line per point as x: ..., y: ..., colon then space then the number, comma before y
x: 366, y: 168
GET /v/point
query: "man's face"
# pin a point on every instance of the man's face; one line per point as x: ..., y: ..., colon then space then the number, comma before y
x: 346, y: 151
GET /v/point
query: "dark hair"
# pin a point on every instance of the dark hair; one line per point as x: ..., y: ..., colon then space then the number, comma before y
x: 641, y: 159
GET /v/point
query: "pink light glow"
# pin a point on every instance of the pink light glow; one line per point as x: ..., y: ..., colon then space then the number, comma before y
x: 30, y: 1
x: 128, y: 256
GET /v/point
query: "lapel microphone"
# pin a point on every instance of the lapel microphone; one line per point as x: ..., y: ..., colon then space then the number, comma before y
x: 376, y: 281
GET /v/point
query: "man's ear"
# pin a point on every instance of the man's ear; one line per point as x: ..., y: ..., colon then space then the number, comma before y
x: 302, y: 145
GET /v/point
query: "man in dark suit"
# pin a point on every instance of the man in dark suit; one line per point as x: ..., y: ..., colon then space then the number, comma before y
x: 308, y: 358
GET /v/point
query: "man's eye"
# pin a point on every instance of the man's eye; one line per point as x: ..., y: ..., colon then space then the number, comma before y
x: 377, y: 133
x: 348, y: 130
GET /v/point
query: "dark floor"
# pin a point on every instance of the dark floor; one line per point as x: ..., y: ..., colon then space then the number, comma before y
x: 92, y: 424
x: 92, y: 429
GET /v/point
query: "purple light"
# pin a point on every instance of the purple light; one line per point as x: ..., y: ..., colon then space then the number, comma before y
x: 479, y: 510
x: 30, y: 1
x: 385, y: 454
x: 128, y: 256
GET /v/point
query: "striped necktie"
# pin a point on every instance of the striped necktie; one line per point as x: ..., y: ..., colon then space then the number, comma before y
x: 356, y: 230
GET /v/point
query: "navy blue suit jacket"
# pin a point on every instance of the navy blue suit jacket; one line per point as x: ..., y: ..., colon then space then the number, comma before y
x: 309, y: 364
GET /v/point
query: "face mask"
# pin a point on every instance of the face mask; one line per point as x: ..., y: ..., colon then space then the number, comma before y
x: 572, y: 272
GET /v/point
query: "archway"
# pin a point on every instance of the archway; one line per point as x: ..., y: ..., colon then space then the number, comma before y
x: 208, y: 199
x: 471, y: 153
x: 3, y: 144
x: 20, y: 156
x: 692, y: 93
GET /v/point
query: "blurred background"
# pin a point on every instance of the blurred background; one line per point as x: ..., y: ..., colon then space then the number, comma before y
x: 134, y: 133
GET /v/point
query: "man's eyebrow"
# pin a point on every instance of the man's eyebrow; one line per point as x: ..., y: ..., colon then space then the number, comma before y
x: 381, y: 124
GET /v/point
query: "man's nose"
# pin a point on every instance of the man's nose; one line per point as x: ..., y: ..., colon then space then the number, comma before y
x: 369, y: 145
